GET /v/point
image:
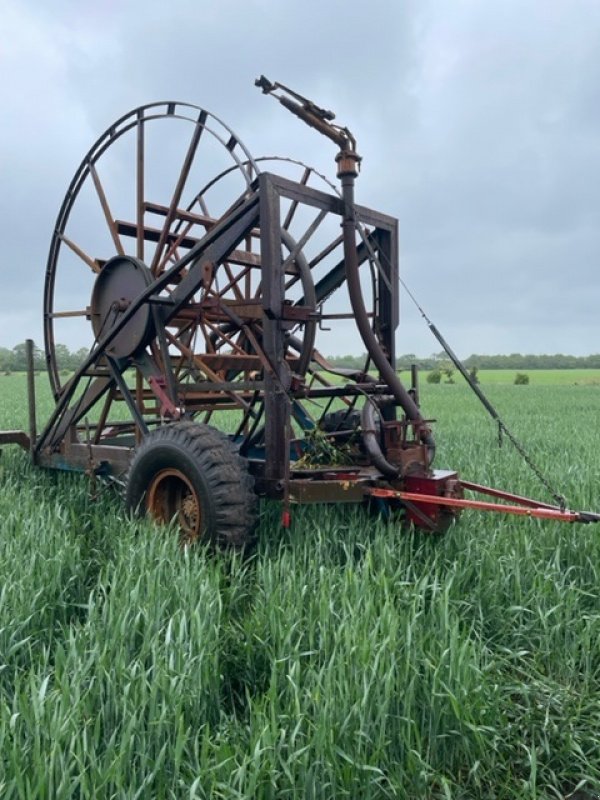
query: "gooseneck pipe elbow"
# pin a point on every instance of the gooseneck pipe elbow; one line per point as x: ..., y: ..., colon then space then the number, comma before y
x: 386, y: 370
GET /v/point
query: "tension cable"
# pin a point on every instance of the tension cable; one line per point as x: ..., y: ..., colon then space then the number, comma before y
x: 503, y: 430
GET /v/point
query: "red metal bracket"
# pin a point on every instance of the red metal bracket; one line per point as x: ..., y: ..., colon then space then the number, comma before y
x: 168, y: 409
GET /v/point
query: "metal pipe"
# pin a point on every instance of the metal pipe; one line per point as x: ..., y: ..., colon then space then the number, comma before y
x: 348, y: 162
x: 347, y: 170
x: 31, y: 394
x: 414, y: 382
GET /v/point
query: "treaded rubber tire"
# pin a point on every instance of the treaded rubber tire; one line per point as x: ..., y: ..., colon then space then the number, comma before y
x: 213, y: 467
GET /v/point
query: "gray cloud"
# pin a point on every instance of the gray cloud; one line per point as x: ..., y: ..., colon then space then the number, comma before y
x: 478, y: 124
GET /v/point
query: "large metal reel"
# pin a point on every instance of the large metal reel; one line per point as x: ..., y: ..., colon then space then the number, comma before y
x: 150, y: 187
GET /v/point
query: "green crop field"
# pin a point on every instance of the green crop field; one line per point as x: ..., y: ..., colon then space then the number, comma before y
x: 346, y: 658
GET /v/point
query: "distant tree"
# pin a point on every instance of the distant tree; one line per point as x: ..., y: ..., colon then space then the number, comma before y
x: 16, y: 359
x: 62, y: 354
x: 77, y: 357
x: 406, y: 360
x: 19, y: 353
x: 347, y: 362
x: 441, y: 356
x: 521, y: 379
x: 435, y: 376
x: 6, y: 359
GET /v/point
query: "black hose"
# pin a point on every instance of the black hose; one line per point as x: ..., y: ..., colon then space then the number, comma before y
x: 370, y: 341
x: 369, y: 437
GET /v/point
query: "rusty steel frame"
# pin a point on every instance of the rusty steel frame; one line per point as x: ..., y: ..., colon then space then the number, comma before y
x: 256, y: 352
x: 255, y: 214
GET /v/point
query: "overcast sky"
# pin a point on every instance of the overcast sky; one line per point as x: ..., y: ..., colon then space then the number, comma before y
x: 478, y: 124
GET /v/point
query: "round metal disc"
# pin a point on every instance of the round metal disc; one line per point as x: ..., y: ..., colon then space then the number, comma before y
x: 121, y: 281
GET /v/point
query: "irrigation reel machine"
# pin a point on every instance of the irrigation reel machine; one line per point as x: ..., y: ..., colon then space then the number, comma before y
x: 203, y: 314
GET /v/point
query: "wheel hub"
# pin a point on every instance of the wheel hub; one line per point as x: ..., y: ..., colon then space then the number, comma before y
x: 121, y: 281
x: 171, y: 496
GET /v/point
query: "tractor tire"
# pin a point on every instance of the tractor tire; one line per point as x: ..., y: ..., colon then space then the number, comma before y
x: 192, y: 474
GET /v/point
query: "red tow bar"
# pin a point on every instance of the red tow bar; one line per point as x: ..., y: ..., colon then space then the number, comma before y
x: 450, y: 497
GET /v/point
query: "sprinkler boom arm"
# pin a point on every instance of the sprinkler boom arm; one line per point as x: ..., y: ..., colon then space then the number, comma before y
x: 315, y: 116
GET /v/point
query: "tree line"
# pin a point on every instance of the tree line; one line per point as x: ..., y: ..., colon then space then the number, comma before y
x: 15, y: 360
x: 515, y: 361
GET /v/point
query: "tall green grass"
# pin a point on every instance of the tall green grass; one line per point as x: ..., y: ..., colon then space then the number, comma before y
x: 345, y: 658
